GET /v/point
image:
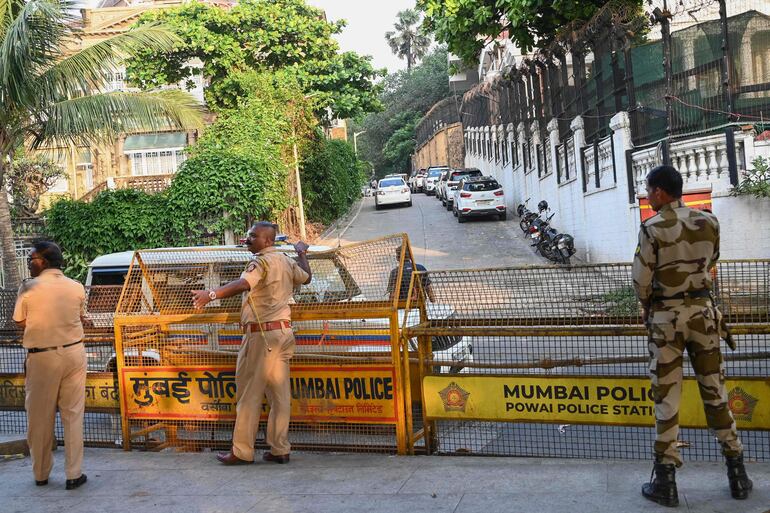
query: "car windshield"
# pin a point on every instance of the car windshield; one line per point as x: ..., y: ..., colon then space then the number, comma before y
x: 391, y: 182
x: 481, y: 186
x: 434, y: 173
x: 459, y: 175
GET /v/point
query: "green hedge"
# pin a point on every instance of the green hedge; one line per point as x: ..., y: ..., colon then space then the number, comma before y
x: 332, y: 177
x: 115, y: 221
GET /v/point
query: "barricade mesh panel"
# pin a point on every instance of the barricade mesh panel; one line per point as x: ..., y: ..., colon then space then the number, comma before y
x: 582, y: 321
x: 102, y: 417
x: 360, y: 273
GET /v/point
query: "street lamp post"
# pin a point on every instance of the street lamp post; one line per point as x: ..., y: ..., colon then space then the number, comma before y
x: 355, y: 145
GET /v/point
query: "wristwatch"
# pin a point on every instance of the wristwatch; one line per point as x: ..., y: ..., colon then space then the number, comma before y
x: 212, y: 295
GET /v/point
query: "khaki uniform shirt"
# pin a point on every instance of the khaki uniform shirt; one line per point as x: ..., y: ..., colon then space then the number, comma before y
x: 677, y: 249
x: 51, y: 305
x: 272, y: 276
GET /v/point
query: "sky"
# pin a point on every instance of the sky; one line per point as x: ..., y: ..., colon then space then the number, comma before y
x: 368, y: 20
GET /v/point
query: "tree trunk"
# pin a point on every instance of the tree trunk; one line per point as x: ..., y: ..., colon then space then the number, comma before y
x: 10, y: 268
x: 408, y: 57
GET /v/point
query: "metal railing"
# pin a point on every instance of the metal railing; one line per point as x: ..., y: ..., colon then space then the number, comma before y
x: 151, y: 184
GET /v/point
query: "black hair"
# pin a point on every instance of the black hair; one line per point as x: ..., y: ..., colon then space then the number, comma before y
x: 266, y: 224
x: 50, y: 252
x: 666, y: 178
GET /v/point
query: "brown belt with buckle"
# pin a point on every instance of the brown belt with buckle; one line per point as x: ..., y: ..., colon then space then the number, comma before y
x: 43, y: 349
x: 253, y: 327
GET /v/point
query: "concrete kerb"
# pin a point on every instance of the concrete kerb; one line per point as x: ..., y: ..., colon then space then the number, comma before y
x: 13, y: 445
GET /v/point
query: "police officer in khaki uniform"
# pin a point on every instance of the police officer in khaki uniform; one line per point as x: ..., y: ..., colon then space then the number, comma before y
x: 262, y: 368
x: 677, y: 249
x: 50, y: 308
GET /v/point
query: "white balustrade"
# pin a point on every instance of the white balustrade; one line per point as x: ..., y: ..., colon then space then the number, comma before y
x: 702, y: 161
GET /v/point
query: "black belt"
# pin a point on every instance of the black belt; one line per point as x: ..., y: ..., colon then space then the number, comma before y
x: 684, y: 295
x: 43, y: 349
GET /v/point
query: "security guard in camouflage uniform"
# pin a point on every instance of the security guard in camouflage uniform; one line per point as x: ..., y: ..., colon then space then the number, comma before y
x: 677, y: 250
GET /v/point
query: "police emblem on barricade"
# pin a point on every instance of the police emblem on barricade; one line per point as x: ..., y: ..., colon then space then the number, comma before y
x: 454, y: 397
x: 741, y: 403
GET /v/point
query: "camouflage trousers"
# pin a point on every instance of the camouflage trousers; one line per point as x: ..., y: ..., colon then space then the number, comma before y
x: 676, y: 325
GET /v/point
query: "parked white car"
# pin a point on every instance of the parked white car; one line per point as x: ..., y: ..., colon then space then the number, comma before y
x: 417, y: 183
x: 479, y: 197
x: 449, y: 185
x: 392, y: 191
x: 432, y: 178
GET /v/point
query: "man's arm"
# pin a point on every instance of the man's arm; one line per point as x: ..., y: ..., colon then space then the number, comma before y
x: 301, y: 249
x: 715, y: 256
x: 429, y: 292
x: 643, y: 270
x: 20, y: 308
x: 201, y: 297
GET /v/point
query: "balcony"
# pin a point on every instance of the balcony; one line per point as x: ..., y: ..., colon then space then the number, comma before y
x: 151, y: 184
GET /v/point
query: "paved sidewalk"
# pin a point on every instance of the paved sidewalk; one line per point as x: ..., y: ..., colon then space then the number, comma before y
x: 318, y: 483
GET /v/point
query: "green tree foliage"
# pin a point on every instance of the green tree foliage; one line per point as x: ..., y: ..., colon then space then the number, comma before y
x: 51, y: 97
x: 28, y: 178
x: 408, y: 41
x: 529, y: 23
x: 235, y: 174
x: 401, y: 143
x: 331, y: 179
x: 406, y: 98
x: 264, y: 35
x: 756, y: 181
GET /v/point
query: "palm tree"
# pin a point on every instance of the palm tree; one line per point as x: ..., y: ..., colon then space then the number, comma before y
x: 408, y: 41
x: 51, y: 97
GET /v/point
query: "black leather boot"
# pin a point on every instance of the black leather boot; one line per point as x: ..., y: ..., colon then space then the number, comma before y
x: 740, y: 484
x: 662, y: 485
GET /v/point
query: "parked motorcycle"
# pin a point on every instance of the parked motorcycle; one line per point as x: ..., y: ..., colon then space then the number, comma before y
x: 538, y: 231
x: 563, y: 248
x: 556, y: 247
x: 521, y: 208
x: 527, y: 216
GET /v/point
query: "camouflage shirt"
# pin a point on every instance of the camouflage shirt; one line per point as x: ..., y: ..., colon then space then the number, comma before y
x: 677, y: 249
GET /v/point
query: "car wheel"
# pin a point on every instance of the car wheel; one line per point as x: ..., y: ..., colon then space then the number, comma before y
x: 460, y: 218
x: 454, y: 212
x: 377, y: 206
x: 503, y: 216
x: 448, y: 205
x: 409, y: 203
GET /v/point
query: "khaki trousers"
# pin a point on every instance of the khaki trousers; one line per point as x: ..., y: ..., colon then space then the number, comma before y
x: 56, y: 378
x: 260, y: 372
x: 675, y: 327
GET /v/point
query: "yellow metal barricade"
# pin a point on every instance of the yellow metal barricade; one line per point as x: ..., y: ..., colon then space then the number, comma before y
x: 102, y: 426
x: 559, y: 362
x: 176, y: 365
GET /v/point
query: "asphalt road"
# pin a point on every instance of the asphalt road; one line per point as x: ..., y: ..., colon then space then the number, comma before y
x: 438, y: 241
